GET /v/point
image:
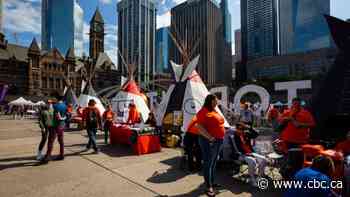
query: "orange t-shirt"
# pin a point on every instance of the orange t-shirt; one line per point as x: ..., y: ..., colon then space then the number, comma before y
x: 273, y: 113
x: 212, y: 121
x: 69, y: 109
x: 108, y: 115
x: 297, y: 135
x: 192, y: 126
x: 134, y: 116
x: 244, y: 144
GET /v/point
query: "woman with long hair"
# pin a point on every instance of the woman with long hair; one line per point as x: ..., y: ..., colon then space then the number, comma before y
x: 211, y: 129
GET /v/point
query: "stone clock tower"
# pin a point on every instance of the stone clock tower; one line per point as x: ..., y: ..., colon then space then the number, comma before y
x: 97, y: 34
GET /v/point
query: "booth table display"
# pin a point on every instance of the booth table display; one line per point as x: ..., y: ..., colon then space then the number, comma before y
x: 142, y: 141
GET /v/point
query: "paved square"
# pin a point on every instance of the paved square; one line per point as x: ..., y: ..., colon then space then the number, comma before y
x: 113, y: 172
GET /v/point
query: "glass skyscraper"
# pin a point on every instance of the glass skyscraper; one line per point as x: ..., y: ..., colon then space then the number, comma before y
x: 302, y: 25
x: 226, y: 20
x: 136, y: 37
x: 162, y: 49
x: 62, y: 26
x: 259, y: 28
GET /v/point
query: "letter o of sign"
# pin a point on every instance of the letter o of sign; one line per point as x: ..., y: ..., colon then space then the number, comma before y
x: 260, y: 91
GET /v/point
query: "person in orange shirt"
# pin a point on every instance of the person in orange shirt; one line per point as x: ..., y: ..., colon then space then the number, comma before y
x: 69, y: 115
x: 134, y: 115
x: 297, y: 124
x: 107, y: 117
x: 211, y: 128
x: 192, y: 146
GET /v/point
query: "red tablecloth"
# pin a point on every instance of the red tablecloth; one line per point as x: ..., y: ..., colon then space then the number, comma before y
x: 120, y: 134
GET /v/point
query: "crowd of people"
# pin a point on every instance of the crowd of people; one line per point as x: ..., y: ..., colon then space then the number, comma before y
x: 54, y: 119
x: 203, y: 141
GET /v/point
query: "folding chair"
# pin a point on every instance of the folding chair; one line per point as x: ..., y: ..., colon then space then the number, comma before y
x: 240, y: 168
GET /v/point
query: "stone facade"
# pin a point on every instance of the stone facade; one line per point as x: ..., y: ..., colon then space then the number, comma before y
x: 29, y: 71
x: 32, y: 72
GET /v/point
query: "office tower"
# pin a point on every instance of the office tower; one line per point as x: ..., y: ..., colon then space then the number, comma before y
x: 201, y: 21
x: 302, y: 25
x: 136, y: 37
x: 226, y: 20
x: 238, y: 45
x: 97, y: 34
x: 62, y: 26
x: 162, y: 50
x: 259, y: 28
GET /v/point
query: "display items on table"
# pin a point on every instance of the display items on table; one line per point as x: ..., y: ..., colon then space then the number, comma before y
x: 143, y: 140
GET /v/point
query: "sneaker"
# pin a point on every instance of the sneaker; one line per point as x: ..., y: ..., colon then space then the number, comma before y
x: 44, y: 160
x: 59, y: 158
x: 86, y: 149
x: 39, y: 156
x: 96, y: 151
x: 216, y: 185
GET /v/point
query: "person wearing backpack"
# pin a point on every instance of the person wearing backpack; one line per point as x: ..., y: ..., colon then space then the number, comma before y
x: 92, y: 121
x: 46, y: 125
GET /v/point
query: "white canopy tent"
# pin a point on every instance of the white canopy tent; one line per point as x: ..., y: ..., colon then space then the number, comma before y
x: 278, y: 104
x: 19, y: 101
x: 40, y: 103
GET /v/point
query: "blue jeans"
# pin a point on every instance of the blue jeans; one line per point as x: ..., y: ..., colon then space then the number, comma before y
x: 92, y: 138
x: 210, y: 153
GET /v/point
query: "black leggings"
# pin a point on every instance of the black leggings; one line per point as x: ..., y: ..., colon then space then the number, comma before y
x: 44, y: 136
x: 193, y: 150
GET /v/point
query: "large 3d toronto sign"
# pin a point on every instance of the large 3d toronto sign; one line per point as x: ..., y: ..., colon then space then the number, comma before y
x: 291, y: 87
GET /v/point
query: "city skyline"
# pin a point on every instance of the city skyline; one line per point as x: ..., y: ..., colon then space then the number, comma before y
x: 22, y: 31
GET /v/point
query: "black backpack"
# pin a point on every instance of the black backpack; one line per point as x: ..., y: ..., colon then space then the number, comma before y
x: 92, y: 119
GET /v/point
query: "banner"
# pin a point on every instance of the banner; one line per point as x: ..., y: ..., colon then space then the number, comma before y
x: 3, y: 91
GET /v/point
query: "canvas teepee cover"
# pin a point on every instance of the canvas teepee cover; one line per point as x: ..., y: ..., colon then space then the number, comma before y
x: 130, y: 93
x: 69, y: 95
x: 186, y: 95
x: 87, y: 94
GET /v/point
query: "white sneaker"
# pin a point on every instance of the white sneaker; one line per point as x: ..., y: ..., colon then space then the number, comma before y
x: 39, y: 156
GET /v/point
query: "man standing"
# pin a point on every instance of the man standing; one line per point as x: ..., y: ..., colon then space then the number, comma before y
x: 298, y: 123
x: 91, y: 121
x: 272, y: 117
x: 60, y: 110
x: 108, y: 117
x: 246, y: 115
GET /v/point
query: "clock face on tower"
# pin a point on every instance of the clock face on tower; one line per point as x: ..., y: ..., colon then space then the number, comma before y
x: 99, y: 27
